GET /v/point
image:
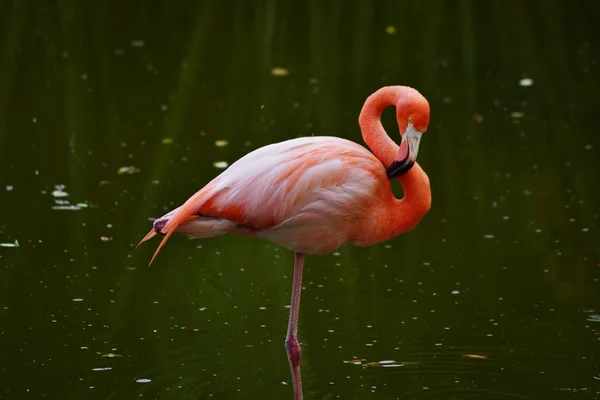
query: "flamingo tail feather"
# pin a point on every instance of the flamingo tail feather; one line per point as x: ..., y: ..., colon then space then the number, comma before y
x: 148, y: 236
x: 182, y: 214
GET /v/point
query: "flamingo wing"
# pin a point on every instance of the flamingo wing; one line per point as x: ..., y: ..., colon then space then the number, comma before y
x: 280, y: 188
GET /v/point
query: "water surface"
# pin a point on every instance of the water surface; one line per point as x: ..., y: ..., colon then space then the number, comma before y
x: 113, y: 113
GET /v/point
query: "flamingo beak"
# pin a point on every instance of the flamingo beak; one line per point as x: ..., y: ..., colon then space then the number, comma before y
x: 407, y: 155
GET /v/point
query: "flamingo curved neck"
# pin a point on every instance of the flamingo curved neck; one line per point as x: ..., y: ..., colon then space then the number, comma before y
x: 384, y: 148
x: 408, y: 211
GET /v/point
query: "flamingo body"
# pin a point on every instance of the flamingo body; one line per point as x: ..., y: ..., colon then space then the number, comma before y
x: 310, y: 195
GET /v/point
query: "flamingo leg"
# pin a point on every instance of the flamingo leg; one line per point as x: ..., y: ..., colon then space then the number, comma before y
x: 291, y: 341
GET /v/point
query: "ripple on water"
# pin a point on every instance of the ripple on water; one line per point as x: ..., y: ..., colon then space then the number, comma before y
x: 197, y: 371
x: 463, y: 373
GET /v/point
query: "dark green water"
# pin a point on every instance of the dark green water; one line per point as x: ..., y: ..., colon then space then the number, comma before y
x: 496, y: 294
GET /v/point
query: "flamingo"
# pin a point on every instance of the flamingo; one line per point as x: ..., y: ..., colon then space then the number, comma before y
x: 314, y: 194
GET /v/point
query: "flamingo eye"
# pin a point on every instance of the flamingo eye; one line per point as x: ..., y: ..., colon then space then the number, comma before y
x: 409, y: 120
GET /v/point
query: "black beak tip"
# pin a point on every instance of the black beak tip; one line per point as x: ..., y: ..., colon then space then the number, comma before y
x: 398, y: 168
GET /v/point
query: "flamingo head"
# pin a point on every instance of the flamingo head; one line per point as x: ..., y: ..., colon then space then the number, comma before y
x: 412, y: 114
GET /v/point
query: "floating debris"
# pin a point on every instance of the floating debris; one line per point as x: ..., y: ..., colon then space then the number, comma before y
x: 167, y: 140
x: 382, y: 363
x: 59, y: 193
x: 9, y: 188
x: 143, y: 380
x: 220, y: 164
x: 526, y: 82
x: 594, y: 318
x: 130, y: 268
x: 102, y: 369
x: 105, y: 238
x: 104, y: 182
x: 71, y: 207
x: 517, y: 114
x: 354, y: 361
x: 279, y: 71
x: 14, y: 244
x: 137, y: 43
x: 221, y: 143
x: 192, y: 329
x: 77, y: 300
x: 128, y: 170
x: 111, y: 355
x: 478, y: 356
x: 390, y: 29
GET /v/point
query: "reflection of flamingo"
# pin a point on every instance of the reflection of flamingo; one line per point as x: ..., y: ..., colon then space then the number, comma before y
x: 314, y: 194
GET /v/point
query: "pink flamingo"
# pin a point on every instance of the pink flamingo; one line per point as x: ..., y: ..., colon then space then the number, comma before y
x: 314, y: 194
